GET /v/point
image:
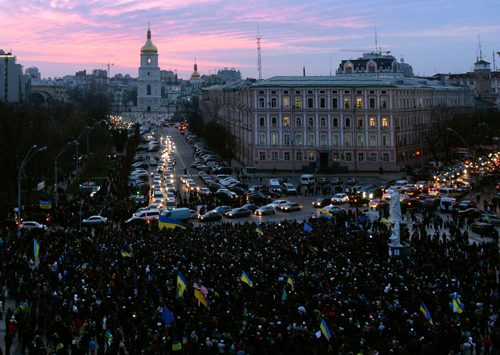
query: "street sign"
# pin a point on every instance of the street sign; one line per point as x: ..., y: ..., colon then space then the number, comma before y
x: 40, y: 185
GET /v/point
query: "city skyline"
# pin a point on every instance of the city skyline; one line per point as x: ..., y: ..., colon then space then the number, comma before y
x: 62, y: 37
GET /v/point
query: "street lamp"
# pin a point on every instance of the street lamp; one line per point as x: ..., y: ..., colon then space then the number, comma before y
x: 85, y: 130
x: 27, y: 158
x: 66, y: 147
x: 468, y: 153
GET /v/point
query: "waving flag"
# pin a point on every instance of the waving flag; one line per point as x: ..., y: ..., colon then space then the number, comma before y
x: 290, y: 281
x: 167, y: 316
x: 325, y: 330
x: 457, y: 304
x: 283, y: 296
x: 181, y: 285
x: 45, y: 205
x: 326, y: 214
x: 24, y: 307
x: 201, y: 288
x: 36, y: 249
x: 426, y: 313
x: 201, y: 298
x: 165, y: 222
x: 246, y: 279
x: 259, y: 230
x: 125, y: 254
x: 307, y: 228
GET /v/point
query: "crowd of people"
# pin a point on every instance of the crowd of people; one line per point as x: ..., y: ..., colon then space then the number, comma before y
x: 105, y: 289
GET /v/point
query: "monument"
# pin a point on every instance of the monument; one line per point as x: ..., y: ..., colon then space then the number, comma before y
x: 399, y: 246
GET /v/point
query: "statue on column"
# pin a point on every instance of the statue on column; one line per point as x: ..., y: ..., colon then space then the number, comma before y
x: 395, y: 217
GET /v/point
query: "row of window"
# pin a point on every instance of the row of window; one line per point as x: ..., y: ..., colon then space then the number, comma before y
x: 310, y: 92
x: 311, y: 156
x: 322, y: 103
x: 311, y: 140
x: 322, y: 121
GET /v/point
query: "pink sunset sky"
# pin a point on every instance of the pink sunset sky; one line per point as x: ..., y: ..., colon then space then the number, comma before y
x: 61, y: 37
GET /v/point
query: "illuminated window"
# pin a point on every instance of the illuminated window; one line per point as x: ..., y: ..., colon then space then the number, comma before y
x: 360, y: 122
x: 298, y: 102
x: 348, y: 140
x: 361, y: 140
x: 274, y: 139
x: 372, y: 122
x: 384, y: 122
x: 149, y: 60
x: 312, y: 156
x: 347, y: 103
x: 262, y: 139
x: 360, y: 102
x: 384, y: 103
x: 286, y: 102
x: 286, y: 121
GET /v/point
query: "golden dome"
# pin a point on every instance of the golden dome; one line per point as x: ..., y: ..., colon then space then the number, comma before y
x: 195, y: 74
x: 149, y: 47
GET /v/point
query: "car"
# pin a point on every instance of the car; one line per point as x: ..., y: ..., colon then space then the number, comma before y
x: 237, y: 190
x: 29, y: 225
x: 374, y: 192
x: 490, y: 219
x: 352, y: 181
x: 483, y: 229
x: 471, y: 213
x: 358, y: 200
x: 334, y: 210
x: 466, y: 205
x: 409, y: 204
x: 153, y: 162
x: 431, y: 203
x: 340, y: 198
x: 226, y: 193
x: 251, y: 207
x: 336, y: 181
x: 289, y: 189
x: 322, y: 181
x: 94, y: 220
x: 291, y: 206
x: 277, y: 204
x: 194, y: 214
x: 270, y: 193
x: 42, y: 218
x: 321, y: 202
x: 265, y: 210
x: 378, y: 203
x: 239, y: 212
x: 193, y: 165
x: 258, y: 199
x: 222, y: 209
x: 211, y: 216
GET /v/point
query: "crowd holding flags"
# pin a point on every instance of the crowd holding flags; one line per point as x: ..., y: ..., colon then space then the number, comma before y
x: 45, y: 205
x: 125, y: 254
x: 259, y: 230
x: 426, y: 313
x: 457, y: 304
x: 165, y: 222
x: 199, y: 296
x: 326, y: 214
x: 325, y: 330
x: 201, y: 288
x: 181, y: 285
x: 24, y: 307
x: 167, y: 316
x: 290, y: 281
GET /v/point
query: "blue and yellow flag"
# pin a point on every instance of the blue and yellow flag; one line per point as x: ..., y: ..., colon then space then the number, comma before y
x: 487, y: 218
x: 165, y: 222
x: 325, y: 330
x: 307, y: 228
x: 290, y: 281
x: 85, y: 265
x: 45, y: 205
x: 426, y: 313
x: 326, y: 214
x: 283, y: 296
x: 36, y: 248
x: 176, y: 345
x: 201, y: 298
x: 246, y: 279
x: 457, y: 304
x: 259, y: 230
x: 24, y: 307
x: 385, y: 221
x: 125, y: 254
x: 181, y: 285
x: 167, y: 316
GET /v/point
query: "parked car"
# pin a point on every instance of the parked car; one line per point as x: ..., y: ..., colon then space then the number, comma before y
x: 239, y: 212
x: 466, y: 204
x: 270, y: 193
x: 322, y: 181
x: 352, y: 181
x: 358, y: 200
x: 94, y: 220
x: 336, y: 181
x: 321, y: 202
x: 490, y: 219
x: 258, y: 199
x: 265, y: 210
x: 291, y: 206
x: 289, y: 189
x: 340, y: 198
x: 483, y: 229
x: 29, y: 225
x: 471, y: 213
x: 211, y: 216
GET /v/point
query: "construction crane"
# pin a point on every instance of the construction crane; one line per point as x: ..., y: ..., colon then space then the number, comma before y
x: 109, y: 64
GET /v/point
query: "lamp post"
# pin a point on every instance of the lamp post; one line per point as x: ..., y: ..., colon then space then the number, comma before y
x: 66, y: 147
x: 27, y: 158
x: 85, y: 130
x: 468, y: 153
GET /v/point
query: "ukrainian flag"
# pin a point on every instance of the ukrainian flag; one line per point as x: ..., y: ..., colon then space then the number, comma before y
x: 385, y: 221
x: 176, y: 345
x: 326, y: 214
x: 259, y: 230
x: 165, y: 222
x: 426, y: 313
x: 125, y: 254
x: 45, y: 205
x: 283, y: 297
x: 325, y: 330
x: 36, y: 247
x: 24, y: 307
x: 246, y: 279
x: 181, y: 285
x: 290, y: 281
x: 85, y: 265
x: 487, y: 218
x: 457, y: 304
x: 201, y: 298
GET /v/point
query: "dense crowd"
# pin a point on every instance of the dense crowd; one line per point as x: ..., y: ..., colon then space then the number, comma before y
x: 85, y: 292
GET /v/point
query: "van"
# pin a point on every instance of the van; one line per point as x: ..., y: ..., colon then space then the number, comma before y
x: 447, y: 204
x: 448, y: 192
x: 180, y: 214
x: 148, y: 214
x: 307, y: 179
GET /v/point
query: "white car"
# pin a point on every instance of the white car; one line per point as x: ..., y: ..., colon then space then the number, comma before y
x: 153, y: 162
x: 29, y: 225
x: 93, y: 220
x: 340, y: 198
x: 277, y: 204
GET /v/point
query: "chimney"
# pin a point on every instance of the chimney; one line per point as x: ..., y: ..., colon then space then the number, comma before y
x: 303, y: 71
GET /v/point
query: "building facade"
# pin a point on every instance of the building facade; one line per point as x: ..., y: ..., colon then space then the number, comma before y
x: 149, y: 81
x: 334, y: 123
x: 10, y: 78
x: 375, y: 64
